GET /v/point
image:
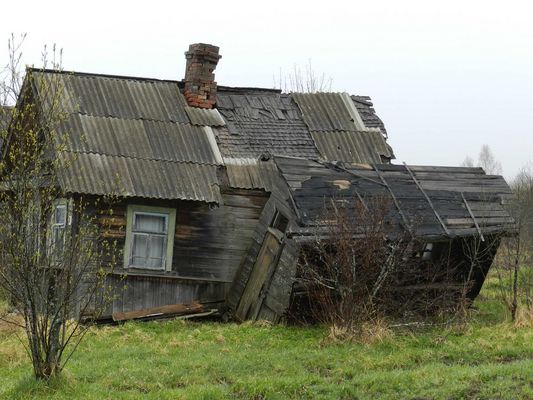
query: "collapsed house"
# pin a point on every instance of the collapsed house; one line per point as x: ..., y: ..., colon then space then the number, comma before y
x: 219, y: 187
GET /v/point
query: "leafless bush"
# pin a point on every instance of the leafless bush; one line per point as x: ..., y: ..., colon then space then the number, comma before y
x: 303, y: 81
x: 361, y: 268
x: 514, y: 262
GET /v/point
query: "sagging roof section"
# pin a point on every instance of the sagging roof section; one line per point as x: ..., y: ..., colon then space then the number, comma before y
x: 434, y: 202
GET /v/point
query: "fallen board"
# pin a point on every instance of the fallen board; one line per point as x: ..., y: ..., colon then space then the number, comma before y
x: 163, y: 311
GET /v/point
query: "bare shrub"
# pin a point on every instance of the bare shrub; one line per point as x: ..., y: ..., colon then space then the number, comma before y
x: 303, y: 81
x: 514, y: 261
x: 359, y: 269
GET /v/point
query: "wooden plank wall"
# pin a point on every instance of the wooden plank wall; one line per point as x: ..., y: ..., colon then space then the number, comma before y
x: 278, y: 293
x: 209, y: 245
x: 142, y: 292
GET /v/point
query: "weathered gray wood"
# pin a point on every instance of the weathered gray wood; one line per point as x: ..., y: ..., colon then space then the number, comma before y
x: 428, y: 199
x: 473, y: 218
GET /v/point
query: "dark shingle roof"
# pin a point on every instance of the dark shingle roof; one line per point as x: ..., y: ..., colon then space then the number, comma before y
x: 260, y: 123
x: 448, y: 188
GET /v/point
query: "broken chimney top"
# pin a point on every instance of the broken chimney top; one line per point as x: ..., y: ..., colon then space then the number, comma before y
x: 200, y: 86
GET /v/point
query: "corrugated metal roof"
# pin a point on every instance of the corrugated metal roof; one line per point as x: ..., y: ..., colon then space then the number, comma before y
x: 127, y: 177
x: 132, y: 137
x: 246, y: 173
x: 364, y: 147
x: 326, y: 111
x: 203, y: 116
x: 105, y: 96
x: 137, y: 138
x: 339, y: 130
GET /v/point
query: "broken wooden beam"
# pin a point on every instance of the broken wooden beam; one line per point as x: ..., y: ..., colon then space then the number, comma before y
x: 172, y: 310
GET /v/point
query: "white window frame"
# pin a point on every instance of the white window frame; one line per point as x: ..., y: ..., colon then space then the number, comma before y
x: 170, y: 218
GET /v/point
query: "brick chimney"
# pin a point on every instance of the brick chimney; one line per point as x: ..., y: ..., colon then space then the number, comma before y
x: 200, y: 86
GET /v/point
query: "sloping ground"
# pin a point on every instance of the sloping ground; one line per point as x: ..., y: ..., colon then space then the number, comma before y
x: 177, y: 360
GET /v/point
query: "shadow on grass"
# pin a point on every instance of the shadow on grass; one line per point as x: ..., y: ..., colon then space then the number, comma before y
x: 28, y: 387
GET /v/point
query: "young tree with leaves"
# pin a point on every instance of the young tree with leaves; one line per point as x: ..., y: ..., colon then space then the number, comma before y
x: 52, y: 267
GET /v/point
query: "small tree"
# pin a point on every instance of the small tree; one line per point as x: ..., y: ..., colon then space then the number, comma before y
x: 514, y: 262
x: 486, y: 160
x: 52, y: 261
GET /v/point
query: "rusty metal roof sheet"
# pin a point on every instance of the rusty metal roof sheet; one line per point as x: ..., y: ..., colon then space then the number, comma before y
x: 203, y: 116
x: 361, y: 147
x: 136, y: 138
x: 127, y: 177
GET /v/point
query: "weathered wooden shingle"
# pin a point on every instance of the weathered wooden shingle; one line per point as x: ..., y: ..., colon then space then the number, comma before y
x: 438, y: 194
x: 263, y: 122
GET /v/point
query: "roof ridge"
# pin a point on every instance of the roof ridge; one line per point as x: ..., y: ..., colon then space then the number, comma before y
x: 101, y: 75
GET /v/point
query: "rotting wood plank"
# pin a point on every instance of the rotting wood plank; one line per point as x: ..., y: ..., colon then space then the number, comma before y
x: 427, y: 198
x: 473, y: 218
x: 395, y: 200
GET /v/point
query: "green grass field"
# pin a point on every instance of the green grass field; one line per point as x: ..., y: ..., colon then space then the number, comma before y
x: 489, y: 359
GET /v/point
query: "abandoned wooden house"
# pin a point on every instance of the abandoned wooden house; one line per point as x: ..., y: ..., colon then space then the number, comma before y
x: 219, y: 187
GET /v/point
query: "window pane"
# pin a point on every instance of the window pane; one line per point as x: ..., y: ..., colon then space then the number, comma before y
x: 150, y: 223
x: 139, y: 252
x: 157, y: 249
x: 57, y: 238
x: 60, y: 215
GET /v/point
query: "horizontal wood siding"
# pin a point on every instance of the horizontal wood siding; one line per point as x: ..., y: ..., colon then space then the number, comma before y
x: 211, y: 243
x: 142, y: 292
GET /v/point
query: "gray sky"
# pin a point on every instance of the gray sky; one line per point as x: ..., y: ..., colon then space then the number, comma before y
x: 446, y: 77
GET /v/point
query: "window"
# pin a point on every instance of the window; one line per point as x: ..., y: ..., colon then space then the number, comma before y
x: 58, y: 225
x: 280, y: 222
x: 149, y: 237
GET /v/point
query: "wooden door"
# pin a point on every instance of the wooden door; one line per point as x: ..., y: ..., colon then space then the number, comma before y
x: 265, y: 261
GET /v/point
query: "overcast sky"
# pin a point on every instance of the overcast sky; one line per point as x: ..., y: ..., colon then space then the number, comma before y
x: 445, y: 79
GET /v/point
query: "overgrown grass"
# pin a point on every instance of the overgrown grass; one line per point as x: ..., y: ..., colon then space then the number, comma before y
x: 489, y: 358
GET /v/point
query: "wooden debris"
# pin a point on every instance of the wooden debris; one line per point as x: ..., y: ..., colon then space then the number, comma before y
x: 172, y: 310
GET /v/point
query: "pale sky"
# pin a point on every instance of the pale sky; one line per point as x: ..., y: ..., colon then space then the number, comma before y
x: 445, y: 77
